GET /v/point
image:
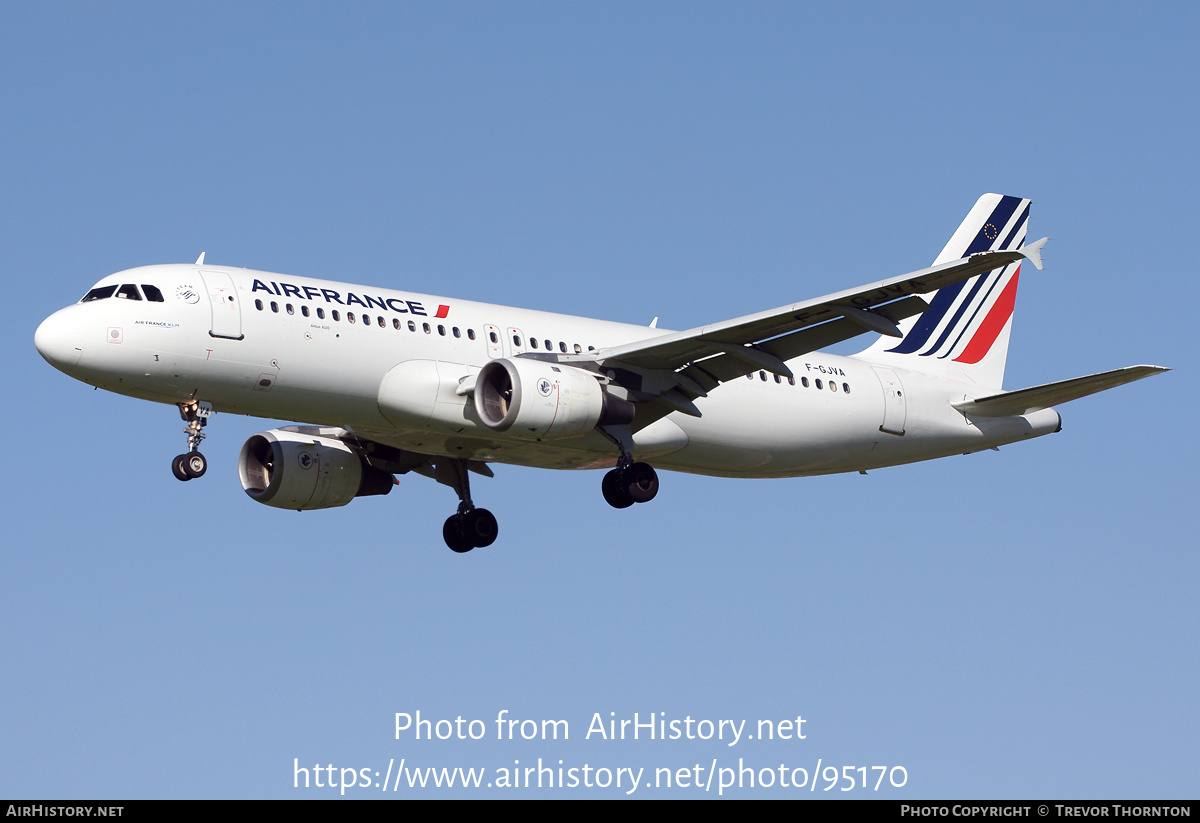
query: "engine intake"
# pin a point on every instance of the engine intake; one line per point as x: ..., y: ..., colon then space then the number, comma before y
x: 537, y: 400
x: 300, y: 470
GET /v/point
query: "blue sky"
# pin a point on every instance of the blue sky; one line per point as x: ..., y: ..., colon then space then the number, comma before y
x: 1017, y: 623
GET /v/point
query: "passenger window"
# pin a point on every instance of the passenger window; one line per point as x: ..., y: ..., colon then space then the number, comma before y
x: 778, y: 379
x: 832, y: 386
x: 304, y: 310
x: 762, y: 375
x: 290, y: 310
x: 471, y: 334
x: 320, y: 313
x: 533, y: 343
x: 492, y: 337
x: 578, y: 349
x: 258, y: 305
x: 129, y: 292
x: 98, y: 294
x: 455, y: 330
x: 549, y: 346
x: 517, y: 341
x: 349, y: 317
x: 819, y: 386
x: 426, y: 327
x: 791, y: 381
x: 380, y: 323
x: 804, y: 382
x: 412, y: 326
x: 846, y: 388
x: 152, y: 293
x: 337, y: 315
x: 441, y: 330
x: 562, y: 347
x: 396, y: 323
x: 274, y: 307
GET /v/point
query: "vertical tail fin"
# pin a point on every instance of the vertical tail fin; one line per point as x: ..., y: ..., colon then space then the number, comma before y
x: 964, y: 334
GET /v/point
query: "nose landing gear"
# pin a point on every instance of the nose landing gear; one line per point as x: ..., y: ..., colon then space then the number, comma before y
x: 192, y: 464
x: 187, y: 466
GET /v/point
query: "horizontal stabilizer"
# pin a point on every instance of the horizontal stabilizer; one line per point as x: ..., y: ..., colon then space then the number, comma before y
x: 1025, y: 401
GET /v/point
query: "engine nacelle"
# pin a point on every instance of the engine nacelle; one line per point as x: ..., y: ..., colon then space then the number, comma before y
x: 536, y: 399
x: 299, y: 469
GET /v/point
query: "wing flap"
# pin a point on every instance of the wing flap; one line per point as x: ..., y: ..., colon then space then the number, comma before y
x: 724, y: 368
x: 1035, y: 398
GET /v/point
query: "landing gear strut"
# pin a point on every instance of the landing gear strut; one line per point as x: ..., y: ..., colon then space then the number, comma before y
x: 471, y: 528
x: 192, y: 464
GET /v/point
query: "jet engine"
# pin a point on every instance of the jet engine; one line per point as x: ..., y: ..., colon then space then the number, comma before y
x: 300, y: 468
x: 536, y: 399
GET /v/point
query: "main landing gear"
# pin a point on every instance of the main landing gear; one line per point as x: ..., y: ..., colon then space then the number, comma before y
x: 471, y: 528
x: 629, y: 484
x: 192, y: 464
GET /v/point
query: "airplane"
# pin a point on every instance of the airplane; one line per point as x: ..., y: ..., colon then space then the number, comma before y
x: 385, y: 382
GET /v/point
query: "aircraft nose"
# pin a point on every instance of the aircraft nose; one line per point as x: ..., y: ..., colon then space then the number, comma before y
x: 59, y: 341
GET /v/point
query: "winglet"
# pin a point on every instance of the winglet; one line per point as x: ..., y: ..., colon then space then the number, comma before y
x: 1033, y: 252
x: 200, y: 260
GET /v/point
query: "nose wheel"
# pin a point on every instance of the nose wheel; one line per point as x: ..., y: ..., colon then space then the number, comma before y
x: 192, y: 464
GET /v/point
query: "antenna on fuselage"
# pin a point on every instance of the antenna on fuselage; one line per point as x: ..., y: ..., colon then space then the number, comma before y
x: 200, y: 259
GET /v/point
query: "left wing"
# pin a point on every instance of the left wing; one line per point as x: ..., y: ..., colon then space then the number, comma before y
x: 699, y: 359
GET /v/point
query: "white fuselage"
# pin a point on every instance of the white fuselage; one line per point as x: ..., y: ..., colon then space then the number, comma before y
x: 270, y: 345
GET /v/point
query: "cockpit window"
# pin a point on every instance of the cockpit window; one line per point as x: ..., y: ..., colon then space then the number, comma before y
x: 129, y: 292
x: 152, y: 293
x: 98, y: 293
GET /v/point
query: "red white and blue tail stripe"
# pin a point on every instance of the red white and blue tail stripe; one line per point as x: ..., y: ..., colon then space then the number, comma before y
x: 964, y: 333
